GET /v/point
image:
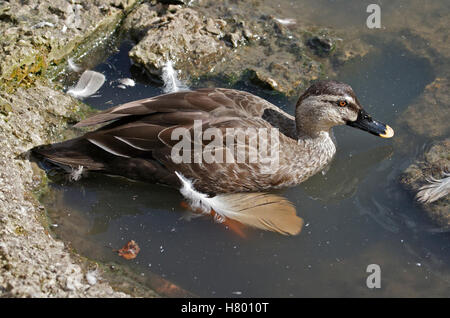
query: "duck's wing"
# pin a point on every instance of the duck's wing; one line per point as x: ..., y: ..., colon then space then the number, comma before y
x: 154, y: 136
x: 218, y: 100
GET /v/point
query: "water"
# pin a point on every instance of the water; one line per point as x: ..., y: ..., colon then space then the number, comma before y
x: 355, y: 214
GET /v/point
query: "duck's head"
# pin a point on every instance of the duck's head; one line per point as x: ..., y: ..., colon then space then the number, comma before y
x: 328, y: 103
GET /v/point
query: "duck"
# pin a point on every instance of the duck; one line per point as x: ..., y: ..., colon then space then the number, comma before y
x: 167, y: 139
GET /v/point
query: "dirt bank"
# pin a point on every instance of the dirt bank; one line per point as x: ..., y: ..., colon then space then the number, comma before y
x: 36, y: 40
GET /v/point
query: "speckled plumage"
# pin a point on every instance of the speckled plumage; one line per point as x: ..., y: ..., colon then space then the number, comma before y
x: 137, y: 144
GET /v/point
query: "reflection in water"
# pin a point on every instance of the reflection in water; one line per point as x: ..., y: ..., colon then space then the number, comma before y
x: 355, y: 214
x: 345, y: 174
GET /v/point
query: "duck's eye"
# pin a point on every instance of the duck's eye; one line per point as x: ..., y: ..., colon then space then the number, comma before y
x: 342, y: 103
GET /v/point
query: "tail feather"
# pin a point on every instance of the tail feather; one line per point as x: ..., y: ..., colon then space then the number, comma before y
x: 72, y: 153
x: 261, y: 210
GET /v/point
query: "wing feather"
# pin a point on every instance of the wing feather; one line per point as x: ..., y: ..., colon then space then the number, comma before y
x: 206, y: 100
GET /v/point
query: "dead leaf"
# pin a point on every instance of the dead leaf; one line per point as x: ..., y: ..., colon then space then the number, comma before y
x: 130, y: 250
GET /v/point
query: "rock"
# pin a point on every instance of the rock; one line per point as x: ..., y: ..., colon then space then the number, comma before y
x: 428, y: 39
x: 434, y: 163
x: 275, y: 63
x: 180, y: 37
x: 230, y: 41
x: 37, y: 35
x: 282, y: 26
x: 249, y: 36
x: 92, y: 277
x: 354, y: 47
x: 233, y: 39
x: 140, y: 21
x: 217, y: 46
x: 5, y: 109
x: 321, y: 46
x: 429, y: 115
x: 211, y: 26
x: 38, y: 114
x: 262, y: 79
x: 176, y: 2
x: 121, y: 4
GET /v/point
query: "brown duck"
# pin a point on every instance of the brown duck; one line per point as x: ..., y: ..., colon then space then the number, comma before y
x: 139, y: 140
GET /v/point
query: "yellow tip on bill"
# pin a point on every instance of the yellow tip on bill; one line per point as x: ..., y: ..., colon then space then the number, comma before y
x: 388, y: 133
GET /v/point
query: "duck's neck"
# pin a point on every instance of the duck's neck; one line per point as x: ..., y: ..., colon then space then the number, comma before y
x: 317, y: 143
x: 303, y: 158
x: 308, y: 129
x: 320, y: 149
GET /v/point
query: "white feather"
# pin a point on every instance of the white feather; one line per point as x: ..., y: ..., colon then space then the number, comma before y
x: 74, y: 67
x: 170, y: 79
x: 88, y: 84
x: 197, y: 200
x: 129, y: 143
x: 43, y: 24
x: 76, y: 174
x: 204, y: 203
x: 286, y: 21
x: 260, y: 210
x: 435, y: 189
x: 106, y: 148
x: 127, y: 82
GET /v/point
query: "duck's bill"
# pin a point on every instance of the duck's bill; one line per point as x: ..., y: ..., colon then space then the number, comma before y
x: 367, y: 123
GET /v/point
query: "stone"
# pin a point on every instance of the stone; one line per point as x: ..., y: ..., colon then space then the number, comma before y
x: 211, y: 26
x: 233, y: 39
x: 321, y: 46
x: 179, y: 37
x: 433, y: 163
x: 429, y: 114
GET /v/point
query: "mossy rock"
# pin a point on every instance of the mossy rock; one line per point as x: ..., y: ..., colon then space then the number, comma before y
x: 5, y: 109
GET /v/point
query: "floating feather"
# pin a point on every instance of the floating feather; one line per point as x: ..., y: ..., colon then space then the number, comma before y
x: 88, y: 84
x: 170, y: 79
x: 435, y: 189
x: 286, y: 21
x: 127, y: 82
x: 74, y: 67
x: 261, y: 210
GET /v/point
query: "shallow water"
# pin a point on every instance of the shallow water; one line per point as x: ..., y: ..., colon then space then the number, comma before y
x: 355, y: 214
